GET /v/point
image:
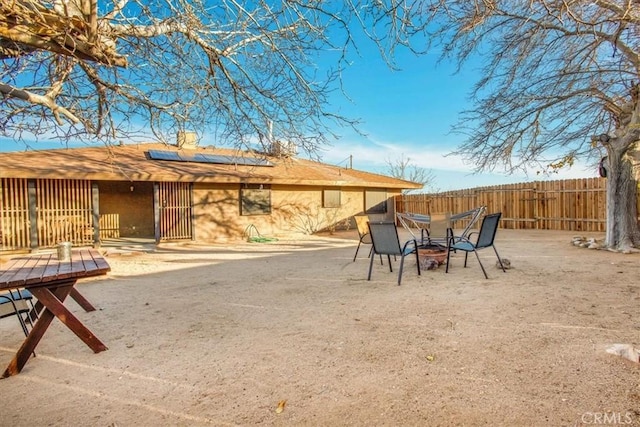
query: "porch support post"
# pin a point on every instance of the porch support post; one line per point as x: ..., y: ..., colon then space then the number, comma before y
x: 95, y: 213
x: 156, y: 211
x: 33, y: 214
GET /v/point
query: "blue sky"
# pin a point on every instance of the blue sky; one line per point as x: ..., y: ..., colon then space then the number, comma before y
x: 409, y: 113
x: 406, y: 113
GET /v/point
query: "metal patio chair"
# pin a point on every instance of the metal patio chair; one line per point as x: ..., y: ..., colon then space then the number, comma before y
x: 486, y: 237
x: 415, y: 224
x: 362, y: 226
x: 474, y: 216
x: 385, y: 241
x: 19, y: 303
x: 419, y: 225
x: 439, y: 229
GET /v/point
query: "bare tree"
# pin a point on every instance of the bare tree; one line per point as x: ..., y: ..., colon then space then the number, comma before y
x: 403, y: 168
x: 560, y: 81
x: 122, y: 69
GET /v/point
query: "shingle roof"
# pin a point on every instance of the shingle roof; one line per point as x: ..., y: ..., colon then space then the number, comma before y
x: 132, y: 163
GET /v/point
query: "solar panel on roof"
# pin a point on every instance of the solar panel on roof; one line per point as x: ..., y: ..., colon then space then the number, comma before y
x: 213, y: 158
x: 207, y: 158
x: 164, y: 155
x: 231, y: 160
x: 254, y: 161
x: 187, y: 157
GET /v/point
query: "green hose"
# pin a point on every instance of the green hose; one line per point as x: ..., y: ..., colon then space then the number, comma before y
x: 253, y: 235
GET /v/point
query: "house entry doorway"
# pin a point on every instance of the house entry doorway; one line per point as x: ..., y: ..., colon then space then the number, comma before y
x: 173, y: 211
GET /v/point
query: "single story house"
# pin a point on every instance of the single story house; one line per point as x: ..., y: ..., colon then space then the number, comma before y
x: 166, y: 192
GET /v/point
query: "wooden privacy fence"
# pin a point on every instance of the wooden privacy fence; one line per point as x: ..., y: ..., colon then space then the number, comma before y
x: 576, y: 204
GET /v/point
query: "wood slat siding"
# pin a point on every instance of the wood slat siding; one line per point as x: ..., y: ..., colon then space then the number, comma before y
x: 64, y: 212
x: 14, y: 214
x: 175, y: 211
x: 570, y: 205
x: 110, y: 226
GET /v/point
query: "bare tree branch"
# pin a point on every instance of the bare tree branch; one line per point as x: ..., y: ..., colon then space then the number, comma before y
x: 36, y: 99
x: 224, y: 69
x: 404, y: 168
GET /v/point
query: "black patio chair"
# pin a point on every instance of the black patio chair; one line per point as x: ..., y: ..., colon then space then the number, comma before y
x: 385, y: 241
x: 486, y: 237
x: 17, y: 303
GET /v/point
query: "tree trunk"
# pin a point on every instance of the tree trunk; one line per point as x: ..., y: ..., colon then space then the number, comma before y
x: 622, y: 231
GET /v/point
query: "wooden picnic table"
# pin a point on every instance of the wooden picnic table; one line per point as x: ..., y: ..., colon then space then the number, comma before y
x: 50, y: 281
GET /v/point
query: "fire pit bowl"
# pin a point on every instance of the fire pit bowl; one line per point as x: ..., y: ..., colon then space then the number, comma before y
x: 434, y: 252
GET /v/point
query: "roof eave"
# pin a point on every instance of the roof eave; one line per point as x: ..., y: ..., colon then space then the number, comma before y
x: 213, y: 178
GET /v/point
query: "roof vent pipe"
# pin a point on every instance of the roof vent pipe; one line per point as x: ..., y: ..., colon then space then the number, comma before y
x: 187, y: 139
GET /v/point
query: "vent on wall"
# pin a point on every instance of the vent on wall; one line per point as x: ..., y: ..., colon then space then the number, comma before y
x: 283, y: 149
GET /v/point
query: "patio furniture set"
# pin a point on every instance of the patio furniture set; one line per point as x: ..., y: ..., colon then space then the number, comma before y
x: 432, y: 236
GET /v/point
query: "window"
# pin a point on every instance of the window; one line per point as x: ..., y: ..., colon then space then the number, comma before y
x: 375, y: 201
x: 331, y: 198
x: 255, y: 201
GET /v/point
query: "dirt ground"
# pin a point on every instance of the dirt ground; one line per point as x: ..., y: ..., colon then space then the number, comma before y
x: 220, y: 335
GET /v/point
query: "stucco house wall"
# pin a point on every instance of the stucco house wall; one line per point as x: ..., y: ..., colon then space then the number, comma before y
x: 294, y: 210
